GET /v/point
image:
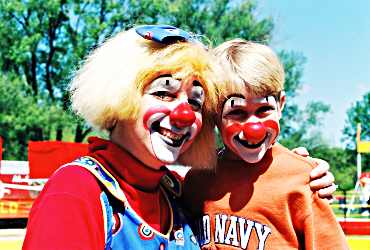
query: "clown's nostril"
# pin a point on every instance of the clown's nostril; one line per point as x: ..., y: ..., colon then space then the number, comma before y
x: 182, y: 116
x: 254, y: 132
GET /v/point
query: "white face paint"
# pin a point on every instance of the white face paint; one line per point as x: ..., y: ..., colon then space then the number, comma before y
x: 172, y: 116
x: 249, y: 127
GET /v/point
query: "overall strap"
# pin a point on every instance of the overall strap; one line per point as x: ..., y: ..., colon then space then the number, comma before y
x: 111, y: 186
x: 171, y: 184
x: 105, y: 178
x: 108, y: 221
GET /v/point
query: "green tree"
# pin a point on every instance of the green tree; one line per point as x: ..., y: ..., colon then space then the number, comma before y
x: 298, y: 123
x: 341, y: 164
x: 24, y: 118
x: 221, y: 20
x: 43, y: 41
x: 358, y: 113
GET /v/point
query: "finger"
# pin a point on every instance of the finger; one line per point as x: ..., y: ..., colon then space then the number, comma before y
x: 323, y: 182
x: 302, y: 151
x: 321, y: 169
x: 327, y: 192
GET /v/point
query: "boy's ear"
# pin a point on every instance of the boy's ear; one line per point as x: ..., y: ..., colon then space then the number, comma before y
x: 282, y: 102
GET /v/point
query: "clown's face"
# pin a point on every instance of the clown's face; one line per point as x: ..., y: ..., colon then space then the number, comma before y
x: 169, y: 119
x: 249, y: 125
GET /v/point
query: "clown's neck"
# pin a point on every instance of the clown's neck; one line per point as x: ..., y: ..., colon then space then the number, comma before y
x: 125, y: 139
x: 123, y: 165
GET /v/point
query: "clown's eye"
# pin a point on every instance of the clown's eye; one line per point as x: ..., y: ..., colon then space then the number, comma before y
x: 164, y: 95
x: 195, y: 105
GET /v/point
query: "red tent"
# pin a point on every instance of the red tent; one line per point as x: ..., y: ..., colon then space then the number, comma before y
x: 46, y: 156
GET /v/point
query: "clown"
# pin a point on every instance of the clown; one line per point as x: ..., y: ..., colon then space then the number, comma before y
x: 152, y: 88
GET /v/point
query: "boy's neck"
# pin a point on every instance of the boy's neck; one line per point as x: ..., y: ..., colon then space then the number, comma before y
x: 227, y: 154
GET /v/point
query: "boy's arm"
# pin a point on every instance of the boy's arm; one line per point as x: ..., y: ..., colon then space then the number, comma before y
x: 321, y: 179
x: 321, y: 229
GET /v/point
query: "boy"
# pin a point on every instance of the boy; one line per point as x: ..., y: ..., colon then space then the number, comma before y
x: 259, y: 196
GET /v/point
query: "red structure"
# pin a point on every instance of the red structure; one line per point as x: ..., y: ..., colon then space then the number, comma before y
x: 355, y: 226
x: 45, y: 157
x: 21, y: 181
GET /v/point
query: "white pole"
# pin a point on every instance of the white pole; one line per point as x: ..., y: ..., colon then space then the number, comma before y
x: 358, y: 166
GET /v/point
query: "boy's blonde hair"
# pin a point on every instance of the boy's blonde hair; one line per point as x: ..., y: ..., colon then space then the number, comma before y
x: 109, y: 85
x: 251, y: 66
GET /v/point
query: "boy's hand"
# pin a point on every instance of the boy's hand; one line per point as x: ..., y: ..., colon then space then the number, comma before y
x: 322, y: 180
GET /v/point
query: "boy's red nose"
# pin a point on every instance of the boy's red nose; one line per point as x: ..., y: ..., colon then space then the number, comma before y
x: 254, y: 132
x: 182, y: 116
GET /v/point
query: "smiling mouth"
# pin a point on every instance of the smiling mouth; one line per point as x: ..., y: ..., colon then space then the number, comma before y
x: 250, y: 145
x: 169, y: 137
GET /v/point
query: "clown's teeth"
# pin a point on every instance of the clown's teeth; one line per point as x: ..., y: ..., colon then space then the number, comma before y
x: 169, y: 134
x: 247, y: 144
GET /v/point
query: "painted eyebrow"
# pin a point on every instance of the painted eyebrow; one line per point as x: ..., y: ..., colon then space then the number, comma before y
x: 197, y: 83
x: 161, y: 76
x: 229, y: 96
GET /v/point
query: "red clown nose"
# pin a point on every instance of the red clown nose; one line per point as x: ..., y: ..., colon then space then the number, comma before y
x: 254, y: 132
x: 182, y: 116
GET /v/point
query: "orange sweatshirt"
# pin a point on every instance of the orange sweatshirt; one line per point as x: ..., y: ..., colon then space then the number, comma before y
x: 267, y: 205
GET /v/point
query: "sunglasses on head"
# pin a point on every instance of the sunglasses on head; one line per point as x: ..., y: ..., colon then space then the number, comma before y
x: 166, y: 34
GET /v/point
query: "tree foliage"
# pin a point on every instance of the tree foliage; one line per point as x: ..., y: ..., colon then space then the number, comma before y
x: 358, y: 113
x: 43, y: 41
x: 24, y: 117
x: 299, y: 123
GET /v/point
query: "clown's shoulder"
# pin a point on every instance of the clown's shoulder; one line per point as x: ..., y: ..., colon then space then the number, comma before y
x: 68, y: 201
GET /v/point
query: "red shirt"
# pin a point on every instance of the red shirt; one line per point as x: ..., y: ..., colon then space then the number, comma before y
x: 266, y: 205
x: 68, y: 213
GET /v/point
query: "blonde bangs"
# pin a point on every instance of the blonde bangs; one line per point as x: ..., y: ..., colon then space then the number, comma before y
x: 184, y: 60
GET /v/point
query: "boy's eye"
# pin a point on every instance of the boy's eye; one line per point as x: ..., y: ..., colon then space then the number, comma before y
x: 236, y: 114
x: 164, y: 95
x: 195, y: 105
x: 264, y: 110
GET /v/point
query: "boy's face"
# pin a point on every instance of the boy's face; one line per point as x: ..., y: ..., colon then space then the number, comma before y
x: 170, y: 116
x: 249, y: 124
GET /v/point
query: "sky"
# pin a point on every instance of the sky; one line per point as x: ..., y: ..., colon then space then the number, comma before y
x: 334, y: 36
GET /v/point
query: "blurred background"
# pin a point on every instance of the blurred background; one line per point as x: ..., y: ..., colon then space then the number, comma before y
x: 324, y: 45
